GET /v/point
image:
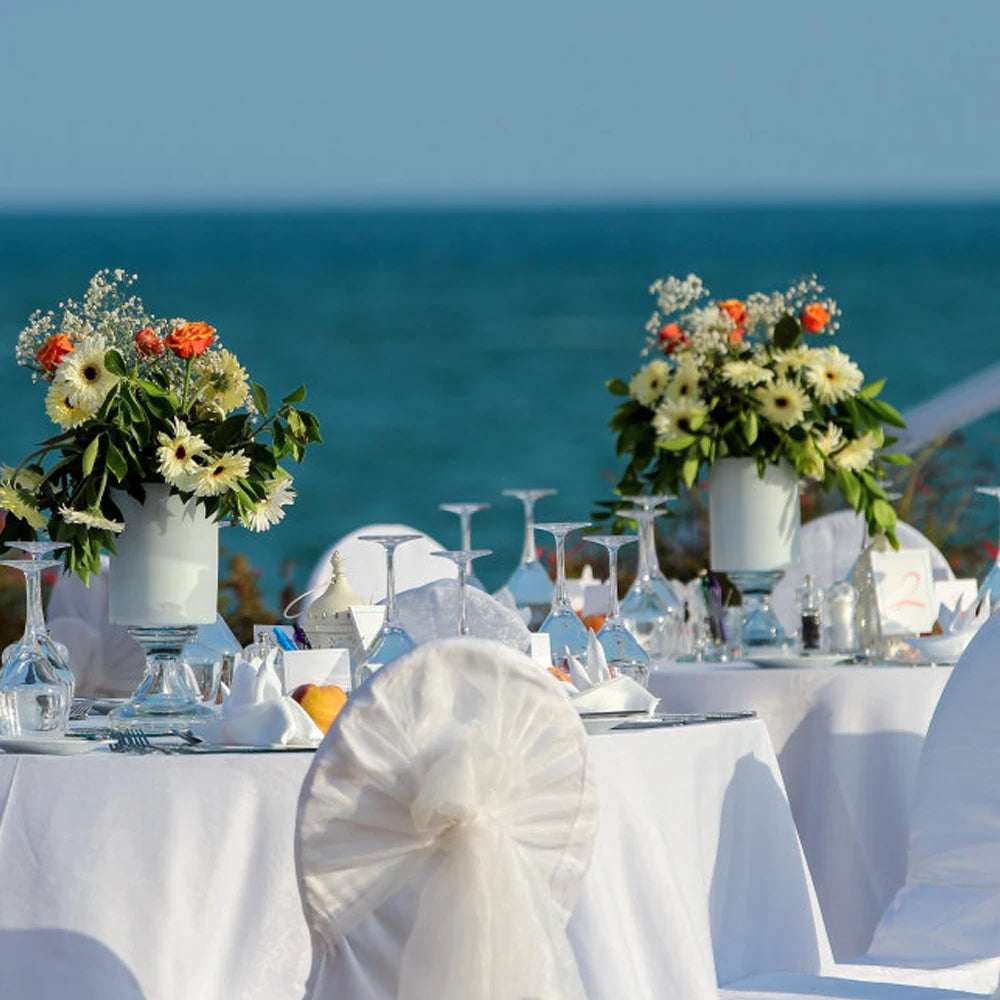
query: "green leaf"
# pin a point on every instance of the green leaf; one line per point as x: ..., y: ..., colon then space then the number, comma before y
x: 296, y: 424
x: 114, y: 363
x: 883, y: 513
x: 295, y: 397
x: 705, y: 446
x: 617, y: 387
x: 677, y: 444
x: 116, y: 463
x: 786, y: 332
x: 259, y: 394
x: 850, y: 487
x: 872, y: 390
x: 90, y: 455
x: 895, y: 459
x: 689, y: 471
x: 751, y: 428
x: 889, y: 414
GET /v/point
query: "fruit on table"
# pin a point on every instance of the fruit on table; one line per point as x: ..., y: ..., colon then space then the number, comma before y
x: 321, y: 702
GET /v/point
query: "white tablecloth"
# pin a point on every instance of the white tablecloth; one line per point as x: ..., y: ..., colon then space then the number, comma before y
x: 848, y: 741
x: 168, y: 877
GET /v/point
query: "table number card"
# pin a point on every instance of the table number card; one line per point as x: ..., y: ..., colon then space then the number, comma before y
x: 904, y: 589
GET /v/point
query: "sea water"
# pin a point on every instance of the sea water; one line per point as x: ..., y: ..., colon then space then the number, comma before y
x: 452, y: 353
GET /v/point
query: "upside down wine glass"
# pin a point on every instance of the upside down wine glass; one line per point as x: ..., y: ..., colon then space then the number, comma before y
x: 529, y: 584
x: 566, y: 631
x: 462, y: 558
x: 392, y: 640
x: 647, y: 548
x: 990, y: 587
x: 621, y: 648
x: 465, y: 512
x: 37, y: 700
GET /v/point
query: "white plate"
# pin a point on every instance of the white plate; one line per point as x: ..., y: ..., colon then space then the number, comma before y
x: 60, y: 745
x: 795, y: 660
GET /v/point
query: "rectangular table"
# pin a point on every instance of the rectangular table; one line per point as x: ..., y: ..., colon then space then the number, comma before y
x: 164, y: 876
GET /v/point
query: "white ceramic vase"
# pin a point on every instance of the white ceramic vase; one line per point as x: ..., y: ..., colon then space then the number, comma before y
x: 166, y: 568
x: 754, y: 522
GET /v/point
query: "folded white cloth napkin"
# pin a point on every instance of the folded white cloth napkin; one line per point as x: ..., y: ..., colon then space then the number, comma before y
x: 255, y: 713
x: 595, y: 690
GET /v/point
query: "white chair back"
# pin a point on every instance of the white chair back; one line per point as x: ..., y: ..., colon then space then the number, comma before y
x: 949, y: 909
x: 830, y: 546
x: 364, y: 563
x: 444, y: 830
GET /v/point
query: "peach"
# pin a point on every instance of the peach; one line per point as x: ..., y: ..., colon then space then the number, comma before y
x: 321, y: 702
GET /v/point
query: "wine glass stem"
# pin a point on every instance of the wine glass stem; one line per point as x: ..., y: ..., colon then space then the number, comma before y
x: 561, y: 569
x: 463, y: 576
x: 390, y: 585
x: 466, y: 532
x: 613, y: 607
x: 647, y: 545
x: 34, y: 620
x: 528, y: 553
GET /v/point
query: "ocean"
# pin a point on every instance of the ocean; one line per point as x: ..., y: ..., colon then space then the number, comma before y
x: 451, y: 353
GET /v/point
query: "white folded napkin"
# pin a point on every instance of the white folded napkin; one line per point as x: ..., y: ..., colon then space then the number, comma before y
x: 255, y: 713
x: 956, y: 619
x: 620, y: 694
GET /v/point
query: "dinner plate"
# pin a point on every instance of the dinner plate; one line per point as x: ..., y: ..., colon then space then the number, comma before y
x: 62, y: 746
x: 795, y: 660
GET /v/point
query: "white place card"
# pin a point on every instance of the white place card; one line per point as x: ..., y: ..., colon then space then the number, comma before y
x: 595, y: 599
x: 904, y: 589
x: 368, y: 620
x: 541, y: 648
x: 316, y: 666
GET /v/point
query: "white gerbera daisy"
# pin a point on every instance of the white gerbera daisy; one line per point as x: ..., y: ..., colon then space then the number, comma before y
x: 269, y: 511
x: 782, y: 403
x: 85, y: 373
x: 745, y: 373
x: 793, y: 359
x: 220, y: 475
x: 858, y: 454
x: 16, y: 503
x: 27, y: 479
x: 221, y: 380
x: 677, y: 419
x: 830, y: 439
x: 64, y: 408
x: 177, y: 453
x: 90, y: 519
x: 833, y: 375
x: 684, y: 385
x: 649, y: 383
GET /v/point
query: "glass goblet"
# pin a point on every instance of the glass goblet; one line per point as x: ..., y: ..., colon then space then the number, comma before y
x: 647, y: 547
x: 529, y: 584
x: 990, y: 587
x: 465, y: 512
x: 566, y: 631
x: 37, y: 697
x: 621, y: 649
x: 462, y: 558
x: 392, y: 640
x: 651, y: 612
x: 56, y: 651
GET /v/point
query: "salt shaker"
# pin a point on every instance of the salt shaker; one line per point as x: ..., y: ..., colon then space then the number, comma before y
x: 841, y: 600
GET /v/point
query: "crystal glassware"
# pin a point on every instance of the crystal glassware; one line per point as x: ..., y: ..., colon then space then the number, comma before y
x: 462, y: 558
x: 392, y: 640
x: 761, y: 628
x: 651, y: 612
x: 621, y: 649
x: 529, y: 584
x: 56, y: 651
x: 465, y: 512
x: 990, y: 587
x: 566, y: 631
x: 38, y: 700
x: 647, y: 547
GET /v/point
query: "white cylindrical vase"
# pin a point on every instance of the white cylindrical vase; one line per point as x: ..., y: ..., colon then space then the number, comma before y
x: 166, y: 567
x: 753, y: 522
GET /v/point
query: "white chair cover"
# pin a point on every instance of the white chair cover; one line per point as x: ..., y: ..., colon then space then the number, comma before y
x: 830, y: 546
x: 364, y: 563
x: 444, y: 830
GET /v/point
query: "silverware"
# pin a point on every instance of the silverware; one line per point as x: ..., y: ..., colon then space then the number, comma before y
x: 80, y: 707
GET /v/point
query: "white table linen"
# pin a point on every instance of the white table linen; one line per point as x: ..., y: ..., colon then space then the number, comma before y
x: 848, y: 740
x: 168, y: 876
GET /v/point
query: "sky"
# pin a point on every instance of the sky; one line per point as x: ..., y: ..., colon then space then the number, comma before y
x: 119, y: 102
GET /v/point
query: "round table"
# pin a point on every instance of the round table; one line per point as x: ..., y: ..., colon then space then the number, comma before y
x: 848, y: 740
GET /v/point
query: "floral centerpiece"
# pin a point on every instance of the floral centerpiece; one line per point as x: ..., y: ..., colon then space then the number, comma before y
x: 141, y: 400
x: 756, y: 378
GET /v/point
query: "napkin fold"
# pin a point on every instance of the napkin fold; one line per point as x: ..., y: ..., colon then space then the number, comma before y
x: 620, y: 694
x: 255, y: 712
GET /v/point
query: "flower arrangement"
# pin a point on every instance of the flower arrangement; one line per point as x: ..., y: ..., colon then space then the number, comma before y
x: 754, y: 378
x: 139, y: 399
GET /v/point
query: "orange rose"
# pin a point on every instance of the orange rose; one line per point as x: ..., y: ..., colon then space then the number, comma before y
x: 190, y: 340
x: 672, y: 336
x: 51, y: 353
x: 148, y: 344
x: 735, y: 309
x: 814, y: 317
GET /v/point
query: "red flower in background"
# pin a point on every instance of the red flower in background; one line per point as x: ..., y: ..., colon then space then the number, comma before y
x: 148, y: 344
x: 51, y: 353
x: 814, y: 317
x: 190, y: 340
x: 672, y: 336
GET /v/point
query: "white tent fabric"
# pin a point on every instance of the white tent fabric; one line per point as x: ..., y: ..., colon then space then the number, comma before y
x: 830, y: 545
x: 444, y: 830
x: 942, y: 931
x: 364, y: 564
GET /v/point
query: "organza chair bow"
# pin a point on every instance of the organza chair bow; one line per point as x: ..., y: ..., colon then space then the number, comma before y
x: 444, y: 830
